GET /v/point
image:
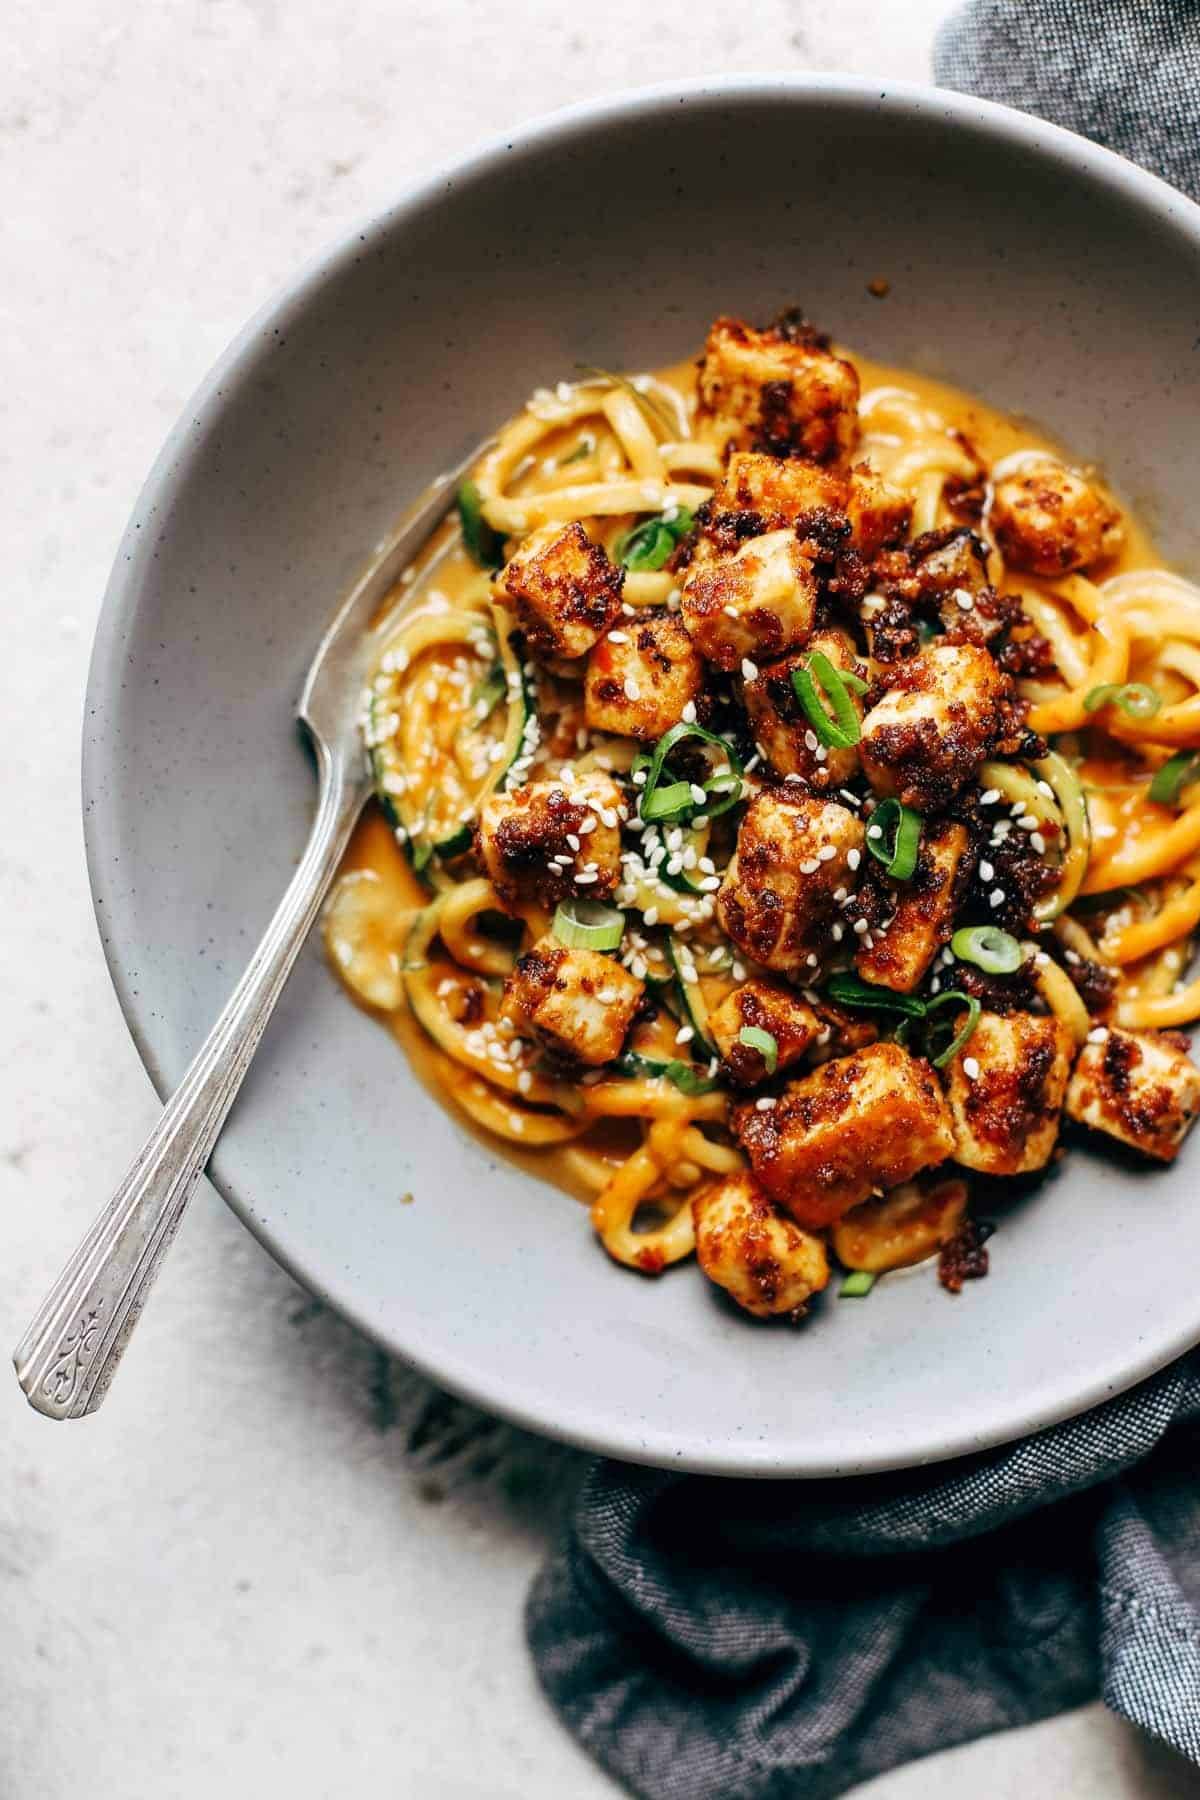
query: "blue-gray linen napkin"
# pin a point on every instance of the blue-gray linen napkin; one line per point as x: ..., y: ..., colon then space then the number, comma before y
x: 720, y: 1640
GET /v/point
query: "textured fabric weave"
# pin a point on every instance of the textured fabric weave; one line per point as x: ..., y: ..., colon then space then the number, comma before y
x: 716, y: 1640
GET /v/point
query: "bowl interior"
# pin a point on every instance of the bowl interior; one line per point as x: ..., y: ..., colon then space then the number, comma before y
x: 1042, y: 274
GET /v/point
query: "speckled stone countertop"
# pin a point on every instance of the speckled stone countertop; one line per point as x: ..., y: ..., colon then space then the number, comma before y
x: 273, y: 1563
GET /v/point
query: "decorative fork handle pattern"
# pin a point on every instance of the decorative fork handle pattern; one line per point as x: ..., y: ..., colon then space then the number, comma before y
x: 71, y: 1351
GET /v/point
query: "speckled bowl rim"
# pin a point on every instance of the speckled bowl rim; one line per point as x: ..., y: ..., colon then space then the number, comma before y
x: 1061, y: 1394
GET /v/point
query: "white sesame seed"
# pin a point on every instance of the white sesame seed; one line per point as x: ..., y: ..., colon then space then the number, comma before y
x: 685, y: 1034
x: 963, y: 599
x: 632, y: 690
x: 730, y: 612
x: 749, y: 669
x: 812, y: 960
x: 874, y: 831
x: 986, y: 872
x: 765, y: 1104
x: 861, y: 927
x: 524, y: 1081
x: 1037, y: 842
x: 996, y: 897
x: 970, y: 1068
x: 809, y: 866
x: 710, y: 884
x: 990, y: 797
x: 739, y: 971
x: 853, y: 858
x: 618, y: 637
x: 650, y: 916
x: 1098, y: 1035
x: 688, y: 713
x: 698, y: 794
x: 837, y: 933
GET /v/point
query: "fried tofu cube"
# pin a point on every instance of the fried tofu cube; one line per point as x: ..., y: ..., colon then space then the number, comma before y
x: 854, y: 1127
x: 801, y: 494
x: 746, y: 1246
x: 641, y: 676
x: 781, y: 390
x: 1006, y: 1090
x: 904, y: 1227
x: 793, y: 854
x: 763, y: 1006
x: 752, y: 605
x: 1049, y: 519
x: 1138, y: 1086
x: 539, y: 841
x: 901, y: 952
x: 576, y: 1003
x: 780, y: 724
x: 564, y: 590
x: 928, y: 735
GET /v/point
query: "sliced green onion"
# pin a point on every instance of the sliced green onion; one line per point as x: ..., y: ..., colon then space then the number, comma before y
x: 843, y: 730
x: 488, y: 692
x: 755, y: 1038
x: 1133, y: 698
x: 650, y: 544
x: 485, y: 545
x: 688, y: 1079
x: 994, y: 951
x: 421, y: 852
x: 583, y: 448
x: 722, y: 790
x: 956, y: 1043
x: 848, y: 990
x: 894, y: 838
x: 588, y: 925
x: 1174, y: 776
x: 857, y: 1285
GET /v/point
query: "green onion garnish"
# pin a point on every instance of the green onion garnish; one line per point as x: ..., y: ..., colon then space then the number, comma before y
x: 689, y: 1079
x: 588, y: 925
x: 421, y: 853
x: 843, y: 730
x: 650, y: 544
x: 485, y: 545
x: 755, y: 1038
x: 857, y: 1285
x: 722, y: 790
x: 994, y: 951
x: 1174, y: 776
x: 956, y: 1043
x: 1133, y: 698
x: 894, y: 838
x: 848, y: 990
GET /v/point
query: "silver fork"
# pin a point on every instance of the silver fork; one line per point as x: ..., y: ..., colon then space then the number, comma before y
x: 70, y: 1353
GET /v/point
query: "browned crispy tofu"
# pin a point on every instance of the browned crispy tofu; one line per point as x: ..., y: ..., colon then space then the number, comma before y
x: 928, y: 735
x: 577, y: 1003
x: 852, y: 1128
x: 901, y: 952
x: 1138, y: 1086
x: 746, y: 1246
x: 801, y: 494
x: 793, y: 854
x: 1006, y: 1090
x: 540, y: 840
x: 766, y: 1006
x: 780, y: 725
x: 641, y: 676
x: 780, y: 390
x: 1049, y: 519
x: 752, y: 605
x: 564, y: 590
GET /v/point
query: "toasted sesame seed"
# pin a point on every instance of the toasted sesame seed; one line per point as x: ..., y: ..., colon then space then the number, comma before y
x: 688, y: 713
x: 749, y: 669
x: 632, y: 690
x: 1098, y: 1035
x: 970, y: 1068
x: 990, y: 797
x: 996, y: 897
x: 765, y: 1104
x: 986, y: 872
x: 650, y: 916
x: 853, y: 858
x: 861, y: 927
x: 809, y: 866
x: 1037, y: 842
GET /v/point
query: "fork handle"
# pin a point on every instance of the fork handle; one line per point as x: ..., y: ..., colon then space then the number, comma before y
x: 70, y: 1353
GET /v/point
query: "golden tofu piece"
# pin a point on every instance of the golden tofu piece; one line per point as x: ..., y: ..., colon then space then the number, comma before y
x: 899, y: 1229
x: 754, y: 604
x: 928, y: 735
x: 780, y: 724
x: 852, y: 1128
x: 803, y: 495
x: 901, y: 952
x: 539, y: 840
x: 1049, y: 519
x: 793, y: 854
x: 1138, y: 1086
x: 564, y: 590
x: 764, y: 1006
x: 746, y: 1246
x: 577, y: 1003
x: 641, y: 676
x: 1006, y: 1090
x: 780, y: 390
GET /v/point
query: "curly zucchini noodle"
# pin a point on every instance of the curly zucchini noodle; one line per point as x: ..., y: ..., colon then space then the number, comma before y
x: 454, y: 714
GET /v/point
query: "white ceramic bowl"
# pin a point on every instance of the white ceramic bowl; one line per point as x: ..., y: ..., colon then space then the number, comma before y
x: 1040, y: 271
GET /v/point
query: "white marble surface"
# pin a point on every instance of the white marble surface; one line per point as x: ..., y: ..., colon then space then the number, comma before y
x: 243, y: 1573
